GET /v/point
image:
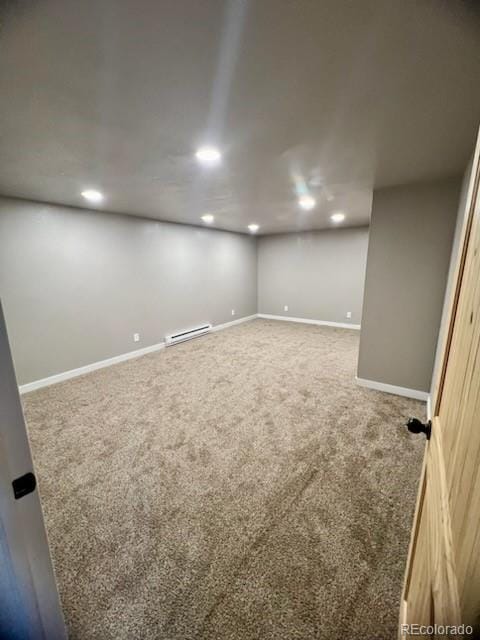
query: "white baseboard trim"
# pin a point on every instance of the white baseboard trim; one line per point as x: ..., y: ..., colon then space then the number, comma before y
x: 226, y: 325
x: 391, y: 388
x: 327, y: 323
x: 88, y: 368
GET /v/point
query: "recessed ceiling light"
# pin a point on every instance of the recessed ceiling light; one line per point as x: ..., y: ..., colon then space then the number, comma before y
x: 208, y: 218
x: 253, y: 228
x: 307, y: 202
x: 208, y: 156
x: 92, y: 195
x: 337, y: 217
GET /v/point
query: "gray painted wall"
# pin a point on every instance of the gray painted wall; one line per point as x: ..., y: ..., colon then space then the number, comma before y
x: 76, y: 284
x: 319, y: 274
x: 411, y: 235
x: 452, y: 272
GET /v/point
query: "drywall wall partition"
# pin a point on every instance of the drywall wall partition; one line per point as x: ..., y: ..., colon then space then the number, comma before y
x: 452, y: 273
x: 318, y: 275
x: 411, y: 234
x: 77, y: 284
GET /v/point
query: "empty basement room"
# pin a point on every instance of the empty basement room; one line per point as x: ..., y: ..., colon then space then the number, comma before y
x: 239, y: 320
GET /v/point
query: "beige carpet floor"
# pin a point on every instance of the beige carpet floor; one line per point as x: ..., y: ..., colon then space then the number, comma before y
x: 236, y: 487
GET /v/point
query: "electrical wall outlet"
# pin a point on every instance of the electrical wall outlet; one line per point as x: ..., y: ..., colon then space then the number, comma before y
x: 349, y: 314
x: 233, y: 312
x: 136, y: 337
x: 285, y: 308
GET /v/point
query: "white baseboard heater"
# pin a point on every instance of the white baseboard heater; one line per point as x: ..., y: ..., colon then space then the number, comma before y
x: 187, y: 335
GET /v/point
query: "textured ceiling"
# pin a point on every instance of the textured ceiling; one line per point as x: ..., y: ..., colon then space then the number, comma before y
x: 329, y: 97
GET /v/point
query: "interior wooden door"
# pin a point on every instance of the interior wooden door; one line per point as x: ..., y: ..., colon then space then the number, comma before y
x: 442, y: 584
